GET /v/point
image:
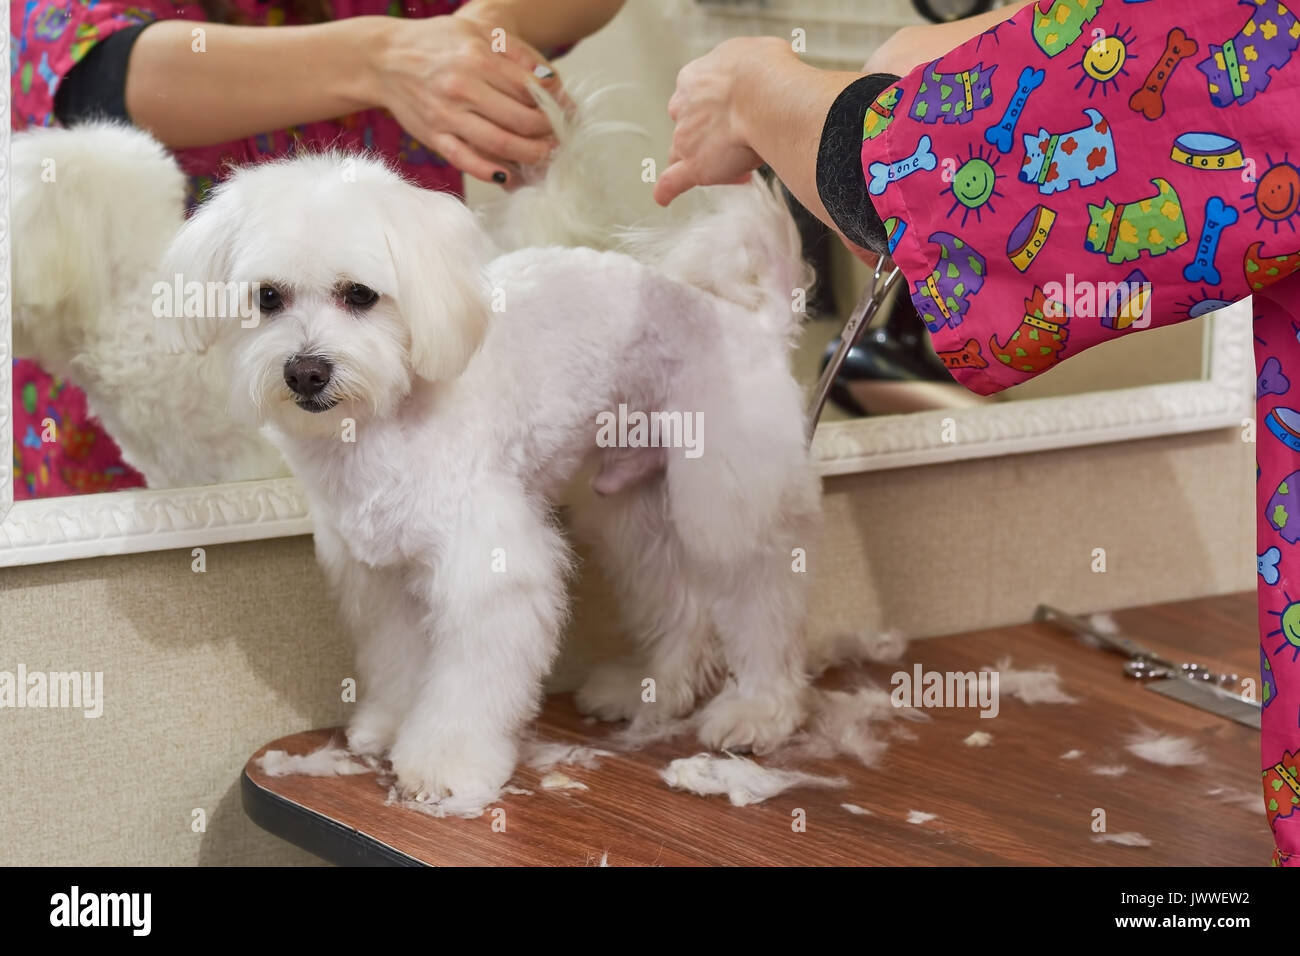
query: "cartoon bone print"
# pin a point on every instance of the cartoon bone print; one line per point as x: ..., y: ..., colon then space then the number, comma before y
x: 1266, y: 565
x: 1149, y: 100
x: 1002, y: 133
x: 1239, y: 68
x: 882, y: 174
x: 968, y: 356
x: 1218, y: 217
x: 943, y: 297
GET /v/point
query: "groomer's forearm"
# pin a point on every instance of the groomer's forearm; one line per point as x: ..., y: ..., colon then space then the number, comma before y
x: 188, y: 98
x: 547, y: 25
x: 781, y: 109
x: 911, y: 46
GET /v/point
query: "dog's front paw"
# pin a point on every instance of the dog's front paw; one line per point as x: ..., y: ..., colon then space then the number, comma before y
x: 465, y: 767
x: 758, y: 724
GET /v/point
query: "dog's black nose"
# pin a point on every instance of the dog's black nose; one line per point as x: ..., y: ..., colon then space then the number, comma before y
x: 307, y: 375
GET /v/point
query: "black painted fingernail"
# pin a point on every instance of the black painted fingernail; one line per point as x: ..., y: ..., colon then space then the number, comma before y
x: 499, y: 177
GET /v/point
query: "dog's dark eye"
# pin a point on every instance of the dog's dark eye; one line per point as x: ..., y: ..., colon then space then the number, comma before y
x: 269, y: 299
x: 360, y: 296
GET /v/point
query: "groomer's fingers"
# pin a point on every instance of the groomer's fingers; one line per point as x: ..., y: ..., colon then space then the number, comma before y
x: 469, y: 161
x: 489, y: 139
x: 521, y: 66
x: 537, y: 65
x: 507, y: 112
x: 674, y: 181
x: 510, y: 76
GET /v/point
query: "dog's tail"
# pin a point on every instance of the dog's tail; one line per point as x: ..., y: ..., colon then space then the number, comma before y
x: 589, y: 188
x: 93, y: 205
x: 743, y: 246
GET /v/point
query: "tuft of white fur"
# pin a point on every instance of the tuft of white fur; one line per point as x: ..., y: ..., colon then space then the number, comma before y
x: 467, y: 808
x: 1127, y: 838
x: 1109, y: 770
x: 544, y: 755
x: 640, y: 734
x: 560, y: 781
x: 1237, y: 797
x: 920, y: 816
x: 1165, y: 749
x: 856, y: 810
x: 327, y: 761
x: 743, y: 246
x: 843, y: 723
x: 86, y: 258
x: 741, y: 780
x: 1040, y: 685
x: 1104, y: 622
x: 577, y: 198
x: 979, y: 738
x: 1072, y: 755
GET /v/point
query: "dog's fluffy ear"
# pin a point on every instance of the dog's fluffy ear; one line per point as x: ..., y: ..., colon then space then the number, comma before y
x: 199, y: 253
x: 439, y: 250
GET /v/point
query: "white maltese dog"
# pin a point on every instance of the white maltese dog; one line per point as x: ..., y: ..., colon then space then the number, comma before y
x: 434, y: 397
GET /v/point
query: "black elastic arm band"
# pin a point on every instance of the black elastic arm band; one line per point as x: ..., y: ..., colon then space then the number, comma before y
x: 96, y: 87
x: 840, y: 182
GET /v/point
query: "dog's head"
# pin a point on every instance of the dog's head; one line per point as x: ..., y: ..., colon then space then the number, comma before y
x: 334, y: 284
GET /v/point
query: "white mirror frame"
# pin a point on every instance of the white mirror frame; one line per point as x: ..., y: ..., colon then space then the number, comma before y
x: 1223, y: 398
x: 123, y: 522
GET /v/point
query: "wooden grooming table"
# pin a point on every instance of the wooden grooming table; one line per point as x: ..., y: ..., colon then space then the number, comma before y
x: 1014, y: 802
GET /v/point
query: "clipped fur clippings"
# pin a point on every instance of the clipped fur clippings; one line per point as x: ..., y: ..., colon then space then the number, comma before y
x: 327, y: 761
x: 1165, y: 749
x: 1128, y: 838
x: 1039, y: 685
x: 740, y: 779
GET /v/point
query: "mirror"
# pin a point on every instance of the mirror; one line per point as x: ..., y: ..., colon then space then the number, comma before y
x: 92, y: 471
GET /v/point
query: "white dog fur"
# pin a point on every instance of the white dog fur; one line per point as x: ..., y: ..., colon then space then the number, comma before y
x: 435, y: 451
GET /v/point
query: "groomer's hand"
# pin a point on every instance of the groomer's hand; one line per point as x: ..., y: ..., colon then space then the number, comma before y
x: 441, y: 79
x: 710, y: 142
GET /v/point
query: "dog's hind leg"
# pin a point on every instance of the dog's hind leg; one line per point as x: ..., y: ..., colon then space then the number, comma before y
x: 660, y: 608
x: 759, y: 620
x: 745, y: 511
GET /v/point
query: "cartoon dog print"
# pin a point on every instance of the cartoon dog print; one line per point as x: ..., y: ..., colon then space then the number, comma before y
x: 952, y: 97
x: 1123, y: 231
x: 1239, y: 68
x: 1084, y: 156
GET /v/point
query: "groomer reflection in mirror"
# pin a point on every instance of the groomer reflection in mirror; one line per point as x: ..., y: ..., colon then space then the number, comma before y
x: 436, y: 86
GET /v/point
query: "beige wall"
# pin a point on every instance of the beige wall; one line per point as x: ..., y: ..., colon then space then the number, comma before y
x: 202, y: 669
